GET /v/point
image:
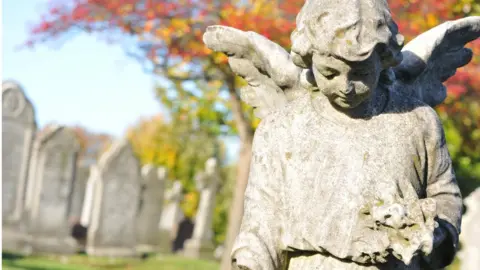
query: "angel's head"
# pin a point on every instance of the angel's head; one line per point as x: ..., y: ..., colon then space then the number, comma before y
x: 349, y: 47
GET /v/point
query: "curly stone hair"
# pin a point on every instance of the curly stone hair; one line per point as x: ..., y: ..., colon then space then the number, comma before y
x: 346, y: 29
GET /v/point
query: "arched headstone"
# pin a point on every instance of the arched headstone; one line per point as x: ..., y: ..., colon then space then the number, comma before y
x: 116, y: 181
x: 51, y: 185
x: 18, y: 130
x: 151, y: 204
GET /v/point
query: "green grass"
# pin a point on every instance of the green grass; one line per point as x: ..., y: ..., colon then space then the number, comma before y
x: 11, y: 261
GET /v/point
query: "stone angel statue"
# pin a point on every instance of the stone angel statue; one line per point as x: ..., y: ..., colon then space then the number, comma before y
x: 350, y: 168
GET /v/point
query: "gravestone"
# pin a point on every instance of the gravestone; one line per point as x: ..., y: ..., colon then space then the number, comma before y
x: 171, y: 216
x: 78, y: 231
x: 116, y: 184
x: 151, y: 204
x: 18, y: 129
x: 80, y: 185
x: 51, y: 185
x: 86, y: 208
x: 88, y: 197
x: 470, y: 237
x: 201, y: 244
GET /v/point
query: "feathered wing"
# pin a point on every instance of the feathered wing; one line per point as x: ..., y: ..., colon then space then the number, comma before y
x: 266, y: 66
x: 433, y: 57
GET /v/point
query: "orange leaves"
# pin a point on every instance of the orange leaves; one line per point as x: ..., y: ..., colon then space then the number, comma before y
x: 148, y: 26
x: 177, y: 26
x: 432, y: 20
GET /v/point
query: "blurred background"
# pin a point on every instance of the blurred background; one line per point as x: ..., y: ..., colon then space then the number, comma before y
x: 132, y: 79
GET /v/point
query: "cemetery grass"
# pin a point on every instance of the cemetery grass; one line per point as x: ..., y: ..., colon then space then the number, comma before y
x: 12, y: 261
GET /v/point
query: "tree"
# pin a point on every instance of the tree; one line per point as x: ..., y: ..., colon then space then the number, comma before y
x: 166, y: 37
x: 182, y: 147
x: 92, y: 145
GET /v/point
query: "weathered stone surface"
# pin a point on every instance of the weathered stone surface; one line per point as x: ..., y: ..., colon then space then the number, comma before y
x: 470, y: 237
x: 81, y: 177
x: 151, y: 205
x: 171, y: 216
x: 350, y: 168
x: 116, y: 184
x: 51, y: 184
x: 201, y: 244
x: 18, y: 129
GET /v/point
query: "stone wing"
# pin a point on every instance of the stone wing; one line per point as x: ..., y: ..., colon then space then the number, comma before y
x: 266, y: 66
x: 433, y: 57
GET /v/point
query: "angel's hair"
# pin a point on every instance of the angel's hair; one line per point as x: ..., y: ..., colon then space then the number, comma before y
x: 347, y: 29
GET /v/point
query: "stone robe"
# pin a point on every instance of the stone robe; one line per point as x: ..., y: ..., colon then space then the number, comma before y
x: 312, y: 173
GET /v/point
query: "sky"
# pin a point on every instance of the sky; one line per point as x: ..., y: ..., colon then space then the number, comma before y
x: 83, y: 82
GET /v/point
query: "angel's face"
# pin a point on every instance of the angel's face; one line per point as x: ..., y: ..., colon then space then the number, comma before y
x: 346, y: 84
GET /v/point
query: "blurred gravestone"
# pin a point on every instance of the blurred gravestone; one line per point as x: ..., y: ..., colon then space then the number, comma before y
x: 78, y: 195
x: 470, y: 236
x: 151, y: 203
x: 116, y: 184
x: 201, y: 244
x: 18, y: 129
x: 171, y: 216
x: 51, y: 185
x: 78, y: 231
x: 218, y: 253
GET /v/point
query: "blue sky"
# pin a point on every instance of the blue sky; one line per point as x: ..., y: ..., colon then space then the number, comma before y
x: 85, y: 81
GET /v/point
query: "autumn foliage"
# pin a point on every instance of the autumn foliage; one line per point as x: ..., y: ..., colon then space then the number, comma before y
x: 170, y: 32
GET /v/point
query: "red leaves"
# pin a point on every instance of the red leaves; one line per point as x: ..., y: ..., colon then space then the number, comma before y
x: 80, y: 12
x: 177, y: 26
x: 43, y: 26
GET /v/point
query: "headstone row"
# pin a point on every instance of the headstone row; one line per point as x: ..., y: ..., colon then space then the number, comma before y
x: 119, y: 203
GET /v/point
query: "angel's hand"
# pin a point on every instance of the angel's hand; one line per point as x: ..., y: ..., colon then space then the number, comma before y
x: 433, y: 57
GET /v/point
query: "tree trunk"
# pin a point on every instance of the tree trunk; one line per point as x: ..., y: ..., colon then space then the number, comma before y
x: 245, y: 133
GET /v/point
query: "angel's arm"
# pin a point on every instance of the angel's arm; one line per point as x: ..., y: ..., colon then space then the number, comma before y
x: 257, y: 245
x: 442, y: 186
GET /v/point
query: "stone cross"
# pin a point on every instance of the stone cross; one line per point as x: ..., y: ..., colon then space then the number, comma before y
x: 151, y: 204
x: 201, y: 244
x: 470, y: 236
x: 50, y: 189
x: 112, y: 212
x: 18, y: 129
